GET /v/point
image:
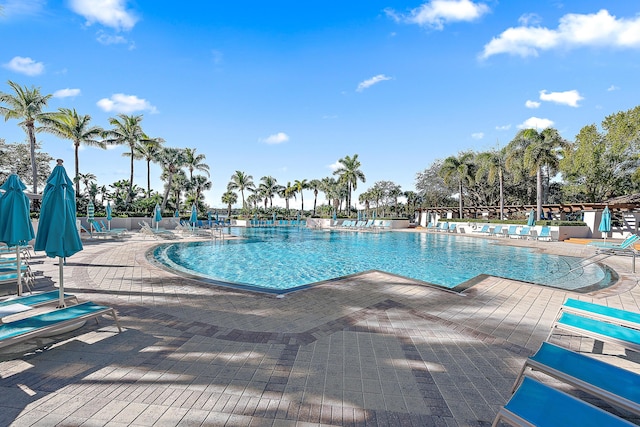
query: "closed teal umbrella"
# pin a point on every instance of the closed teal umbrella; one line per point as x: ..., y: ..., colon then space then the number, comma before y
x: 605, y: 222
x: 15, y: 223
x: 194, y: 215
x: 109, y: 217
x: 532, y: 218
x: 57, y: 235
x: 157, y: 216
x: 177, y: 214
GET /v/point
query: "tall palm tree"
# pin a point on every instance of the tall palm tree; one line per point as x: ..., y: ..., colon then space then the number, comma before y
x: 494, y: 164
x: 537, y: 151
x: 68, y: 124
x: 349, y: 173
x: 458, y: 169
x: 229, y: 198
x: 315, y: 185
x: 148, y: 149
x: 25, y: 105
x: 199, y: 184
x: 287, y: 192
x: 241, y: 181
x: 269, y: 187
x: 193, y: 161
x: 301, y: 184
x: 172, y: 160
x: 86, y: 179
x: 126, y: 131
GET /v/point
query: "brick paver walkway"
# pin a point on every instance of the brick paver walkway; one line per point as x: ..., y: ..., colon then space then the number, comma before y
x: 371, y: 350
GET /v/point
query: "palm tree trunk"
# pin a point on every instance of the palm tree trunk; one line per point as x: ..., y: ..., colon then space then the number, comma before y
x: 539, y: 192
x: 148, y: 178
x: 315, y: 200
x: 77, y: 159
x: 128, y: 199
x: 460, y: 199
x: 500, y: 178
x: 166, y: 192
x: 302, y: 200
x: 32, y: 148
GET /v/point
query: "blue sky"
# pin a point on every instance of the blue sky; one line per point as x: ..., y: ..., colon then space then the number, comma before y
x: 286, y: 88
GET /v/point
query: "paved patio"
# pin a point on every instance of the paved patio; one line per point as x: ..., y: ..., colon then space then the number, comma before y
x: 371, y: 350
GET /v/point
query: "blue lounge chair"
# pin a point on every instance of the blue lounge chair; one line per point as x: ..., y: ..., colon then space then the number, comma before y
x: 545, y: 233
x: 452, y: 227
x: 626, y: 318
x: 444, y: 226
x: 608, y: 382
x: 598, y: 330
x: 484, y: 229
x: 536, y: 404
x: 45, y: 324
x: 36, y: 300
x: 525, y: 232
x: 627, y: 243
x: 512, y: 231
x: 497, y: 231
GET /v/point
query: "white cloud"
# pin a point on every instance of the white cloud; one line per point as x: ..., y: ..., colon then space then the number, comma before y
x: 334, y: 166
x: 372, y: 81
x: 126, y: 104
x: 570, y: 97
x: 107, y: 39
x: 529, y: 19
x: 612, y: 88
x: 66, y: 93
x: 110, y: 13
x: 436, y: 13
x: 503, y: 127
x: 531, y: 104
x: 574, y: 30
x: 477, y: 135
x: 276, y: 138
x: 535, y: 123
x: 24, y: 65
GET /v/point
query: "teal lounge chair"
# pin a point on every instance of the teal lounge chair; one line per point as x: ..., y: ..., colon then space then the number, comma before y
x: 452, y: 227
x: 608, y: 382
x: 545, y: 233
x: 36, y: 300
x: 525, y: 232
x: 484, y: 229
x: 497, y: 231
x: 626, y: 318
x: 627, y: 243
x: 444, y: 226
x: 627, y: 338
x: 536, y: 404
x: 512, y: 231
x: 46, y: 324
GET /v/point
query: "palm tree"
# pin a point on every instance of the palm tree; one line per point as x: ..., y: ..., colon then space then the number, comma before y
x: 241, y: 181
x: 315, y: 185
x: 172, y: 160
x: 537, y: 151
x: 457, y: 169
x: 349, y: 173
x: 86, y: 179
x: 26, y: 105
x: 68, y: 124
x: 229, y: 198
x: 253, y: 199
x: 193, y: 161
x: 300, y: 185
x: 494, y: 163
x: 269, y: 188
x: 287, y: 192
x: 198, y: 184
x: 365, y: 198
x: 148, y: 149
x: 412, y: 197
x: 126, y: 131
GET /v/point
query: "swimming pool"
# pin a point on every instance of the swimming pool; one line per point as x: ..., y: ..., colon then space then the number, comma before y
x: 279, y: 260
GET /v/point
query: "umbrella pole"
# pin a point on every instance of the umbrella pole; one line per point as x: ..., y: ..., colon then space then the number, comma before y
x: 19, y: 270
x: 61, y: 303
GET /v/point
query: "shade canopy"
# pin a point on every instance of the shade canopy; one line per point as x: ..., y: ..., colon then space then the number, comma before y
x: 157, y: 213
x: 177, y: 214
x: 605, y: 221
x: 194, y: 214
x: 108, y: 209
x: 91, y: 211
x: 57, y: 233
x: 15, y: 223
x: 532, y: 218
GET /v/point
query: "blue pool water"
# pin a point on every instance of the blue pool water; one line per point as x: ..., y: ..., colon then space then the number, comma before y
x: 277, y: 259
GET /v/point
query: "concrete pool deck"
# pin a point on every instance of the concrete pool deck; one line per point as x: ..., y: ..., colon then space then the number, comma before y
x: 370, y: 350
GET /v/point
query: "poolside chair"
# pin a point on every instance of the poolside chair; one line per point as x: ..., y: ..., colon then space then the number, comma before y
x: 102, y: 232
x: 599, y: 330
x: 626, y: 244
x: 626, y: 318
x: 444, y: 226
x: 512, y: 231
x: 525, y: 232
x: 483, y: 230
x: 46, y: 324
x: 452, y: 227
x: 608, y: 382
x: 497, y: 231
x: 536, y: 404
x: 545, y: 234
x: 37, y: 300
